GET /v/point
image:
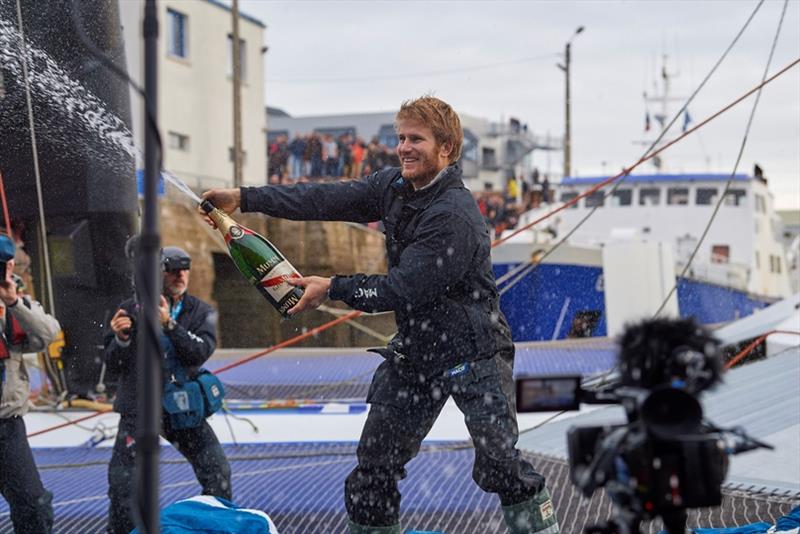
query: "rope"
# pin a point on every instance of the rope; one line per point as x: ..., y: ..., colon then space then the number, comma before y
x: 357, y: 313
x: 6, y: 216
x: 724, y: 194
x: 751, y: 347
x: 529, y: 267
x: 68, y: 423
x: 42, y: 226
x: 648, y: 157
x: 358, y: 326
x: 291, y: 341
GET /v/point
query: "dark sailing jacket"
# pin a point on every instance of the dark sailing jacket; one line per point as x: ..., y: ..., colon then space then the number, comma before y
x: 439, y: 283
x: 194, y: 338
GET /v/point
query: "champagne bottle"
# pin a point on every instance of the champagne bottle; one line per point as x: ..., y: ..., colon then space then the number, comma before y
x: 258, y: 260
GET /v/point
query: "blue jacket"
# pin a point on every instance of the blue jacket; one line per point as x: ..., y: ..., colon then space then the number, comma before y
x: 194, y: 338
x: 439, y: 283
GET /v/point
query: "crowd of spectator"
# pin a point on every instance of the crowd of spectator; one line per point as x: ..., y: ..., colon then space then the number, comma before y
x: 501, y: 209
x: 314, y: 156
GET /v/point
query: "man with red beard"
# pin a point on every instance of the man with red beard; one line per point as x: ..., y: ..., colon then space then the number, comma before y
x: 452, y: 339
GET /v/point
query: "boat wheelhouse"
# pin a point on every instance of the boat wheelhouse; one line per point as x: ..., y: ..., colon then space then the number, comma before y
x: 739, y: 267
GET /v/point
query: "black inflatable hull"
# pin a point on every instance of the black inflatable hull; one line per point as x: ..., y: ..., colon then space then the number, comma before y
x: 81, y: 119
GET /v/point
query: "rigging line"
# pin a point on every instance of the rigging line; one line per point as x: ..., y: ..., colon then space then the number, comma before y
x: 68, y: 423
x: 357, y: 313
x: 314, y: 331
x: 358, y: 326
x: 530, y: 267
x: 647, y: 155
x: 417, y: 74
x: 724, y: 194
x: 34, y: 148
x: 749, y: 348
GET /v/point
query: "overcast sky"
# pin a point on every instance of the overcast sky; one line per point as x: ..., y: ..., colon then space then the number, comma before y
x: 498, y: 60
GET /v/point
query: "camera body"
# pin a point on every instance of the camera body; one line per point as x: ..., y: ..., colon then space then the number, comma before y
x: 665, y: 457
x: 662, y: 461
x: 132, y: 308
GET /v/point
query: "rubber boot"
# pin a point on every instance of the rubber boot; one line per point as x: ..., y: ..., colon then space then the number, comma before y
x: 534, y: 516
x: 355, y: 528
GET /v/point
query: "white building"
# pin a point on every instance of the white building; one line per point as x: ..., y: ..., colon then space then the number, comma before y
x: 491, y: 152
x: 195, y: 100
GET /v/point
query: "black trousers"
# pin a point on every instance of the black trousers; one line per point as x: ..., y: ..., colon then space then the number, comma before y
x: 199, y: 446
x: 404, y: 406
x: 31, y: 505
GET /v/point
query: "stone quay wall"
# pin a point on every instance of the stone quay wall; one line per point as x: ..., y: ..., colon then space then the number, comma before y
x: 246, y: 319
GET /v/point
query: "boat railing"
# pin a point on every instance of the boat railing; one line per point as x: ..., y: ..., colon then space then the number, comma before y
x: 729, y: 274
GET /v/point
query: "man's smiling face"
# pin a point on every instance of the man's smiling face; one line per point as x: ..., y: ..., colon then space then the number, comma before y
x: 421, y: 157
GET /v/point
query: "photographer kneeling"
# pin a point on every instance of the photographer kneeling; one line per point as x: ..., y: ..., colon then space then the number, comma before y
x: 188, y: 338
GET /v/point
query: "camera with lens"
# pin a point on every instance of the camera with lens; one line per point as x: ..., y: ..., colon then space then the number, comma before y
x: 665, y: 458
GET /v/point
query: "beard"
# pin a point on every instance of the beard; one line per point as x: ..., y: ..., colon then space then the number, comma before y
x: 423, y: 171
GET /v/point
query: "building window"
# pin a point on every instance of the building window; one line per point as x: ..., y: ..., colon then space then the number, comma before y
x: 735, y: 197
x: 469, y: 147
x: 678, y: 196
x: 621, y: 197
x: 720, y: 253
x: 336, y: 131
x: 242, y: 57
x: 387, y: 136
x: 178, y: 141
x: 595, y: 200
x: 566, y: 197
x: 649, y: 196
x: 230, y: 155
x: 778, y: 264
x: 758, y: 261
x: 489, y: 157
x: 706, y: 196
x: 177, y: 34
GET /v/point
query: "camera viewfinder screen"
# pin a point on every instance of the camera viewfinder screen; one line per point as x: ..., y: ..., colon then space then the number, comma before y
x: 547, y: 394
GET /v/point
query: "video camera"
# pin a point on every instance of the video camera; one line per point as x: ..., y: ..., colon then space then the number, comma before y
x: 666, y: 458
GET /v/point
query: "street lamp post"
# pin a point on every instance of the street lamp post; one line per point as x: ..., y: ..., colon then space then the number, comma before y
x: 567, y: 126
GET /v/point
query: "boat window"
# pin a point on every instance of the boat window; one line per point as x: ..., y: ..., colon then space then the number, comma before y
x: 621, y: 197
x: 566, y: 197
x: 595, y: 200
x: 735, y: 197
x: 775, y: 263
x: 649, y: 196
x: 720, y: 253
x: 678, y: 196
x: 706, y: 196
x: 761, y: 204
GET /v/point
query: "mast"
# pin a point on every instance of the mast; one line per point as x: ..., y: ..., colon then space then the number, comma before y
x: 662, y: 101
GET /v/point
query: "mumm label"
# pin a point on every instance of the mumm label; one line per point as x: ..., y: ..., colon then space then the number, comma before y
x: 265, y: 267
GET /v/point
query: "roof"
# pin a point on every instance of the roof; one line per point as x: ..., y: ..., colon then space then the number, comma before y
x: 652, y: 178
x: 242, y: 15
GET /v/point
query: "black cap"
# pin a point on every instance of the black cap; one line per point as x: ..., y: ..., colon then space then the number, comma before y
x: 175, y: 258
